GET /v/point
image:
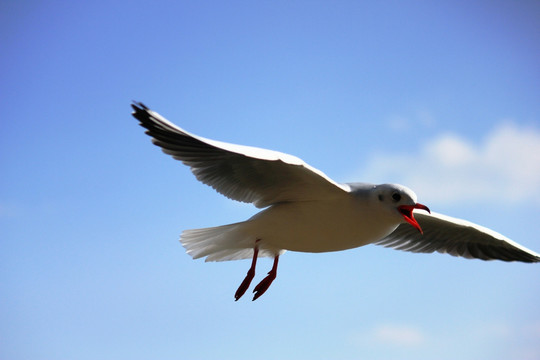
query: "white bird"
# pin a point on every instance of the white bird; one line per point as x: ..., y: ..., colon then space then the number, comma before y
x: 305, y: 210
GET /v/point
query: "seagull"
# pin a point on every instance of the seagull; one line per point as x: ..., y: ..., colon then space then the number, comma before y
x: 304, y: 210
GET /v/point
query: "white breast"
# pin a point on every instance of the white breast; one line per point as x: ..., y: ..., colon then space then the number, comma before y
x: 319, y: 226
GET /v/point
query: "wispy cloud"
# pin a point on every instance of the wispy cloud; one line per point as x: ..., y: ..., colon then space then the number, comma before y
x: 390, y: 336
x: 398, y: 335
x: 420, y: 117
x: 503, y: 166
x: 500, y: 340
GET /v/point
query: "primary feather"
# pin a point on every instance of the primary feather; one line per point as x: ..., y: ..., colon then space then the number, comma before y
x: 243, y: 173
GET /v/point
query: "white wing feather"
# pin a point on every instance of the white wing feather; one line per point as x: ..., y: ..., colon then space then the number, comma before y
x: 456, y: 237
x: 249, y: 174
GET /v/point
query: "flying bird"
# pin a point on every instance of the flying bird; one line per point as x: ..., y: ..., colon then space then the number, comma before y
x: 304, y: 210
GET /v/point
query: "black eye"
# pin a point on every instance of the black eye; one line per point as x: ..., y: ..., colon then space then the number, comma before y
x: 396, y: 196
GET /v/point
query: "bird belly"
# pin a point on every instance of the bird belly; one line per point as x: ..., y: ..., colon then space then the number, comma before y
x: 318, y: 226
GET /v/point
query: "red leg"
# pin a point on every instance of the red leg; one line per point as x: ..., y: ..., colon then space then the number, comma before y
x: 267, y: 281
x: 250, y: 274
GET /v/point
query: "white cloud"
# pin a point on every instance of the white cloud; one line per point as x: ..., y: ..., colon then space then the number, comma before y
x: 398, y: 335
x: 491, y: 332
x: 503, y: 166
x: 432, y: 341
x: 390, y: 335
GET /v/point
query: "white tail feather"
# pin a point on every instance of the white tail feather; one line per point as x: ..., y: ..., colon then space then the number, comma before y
x: 221, y: 243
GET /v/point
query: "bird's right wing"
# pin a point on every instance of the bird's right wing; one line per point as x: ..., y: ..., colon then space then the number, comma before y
x: 456, y: 237
x: 253, y: 175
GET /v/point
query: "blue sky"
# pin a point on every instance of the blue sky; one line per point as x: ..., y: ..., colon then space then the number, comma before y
x: 440, y: 96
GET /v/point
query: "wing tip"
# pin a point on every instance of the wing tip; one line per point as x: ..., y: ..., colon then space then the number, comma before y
x: 138, y: 108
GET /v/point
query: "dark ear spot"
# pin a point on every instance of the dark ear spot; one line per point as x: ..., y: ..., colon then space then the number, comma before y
x: 381, y: 198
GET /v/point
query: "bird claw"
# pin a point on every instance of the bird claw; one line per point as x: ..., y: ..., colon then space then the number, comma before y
x: 244, y: 285
x: 264, y: 285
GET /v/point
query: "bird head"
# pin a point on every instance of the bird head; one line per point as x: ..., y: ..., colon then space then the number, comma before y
x: 402, y: 200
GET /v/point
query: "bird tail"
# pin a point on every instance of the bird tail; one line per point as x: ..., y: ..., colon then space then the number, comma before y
x: 221, y: 243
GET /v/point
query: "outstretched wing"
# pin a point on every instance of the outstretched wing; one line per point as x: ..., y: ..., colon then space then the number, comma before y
x: 243, y: 173
x: 456, y: 237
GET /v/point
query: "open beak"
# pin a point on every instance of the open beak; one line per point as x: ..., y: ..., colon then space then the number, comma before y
x: 407, y: 212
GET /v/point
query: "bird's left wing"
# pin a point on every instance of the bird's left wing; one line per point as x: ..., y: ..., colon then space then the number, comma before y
x: 456, y: 237
x: 249, y: 174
